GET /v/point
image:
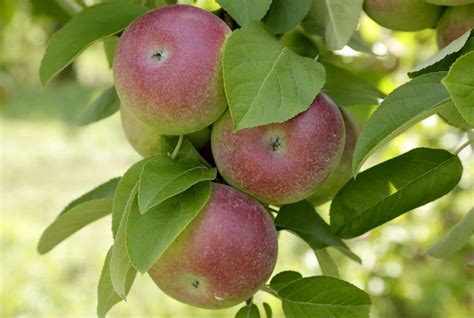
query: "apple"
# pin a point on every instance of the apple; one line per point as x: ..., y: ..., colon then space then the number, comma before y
x: 343, y: 170
x: 224, y: 255
x: 167, y: 69
x: 284, y: 162
x: 143, y: 138
x: 454, y: 22
x: 147, y: 141
x: 403, y: 15
x: 450, y: 2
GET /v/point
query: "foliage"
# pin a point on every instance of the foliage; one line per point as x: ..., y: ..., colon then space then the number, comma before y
x: 287, y: 83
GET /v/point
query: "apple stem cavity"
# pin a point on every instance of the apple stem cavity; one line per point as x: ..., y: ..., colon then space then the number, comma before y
x: 177, y: 148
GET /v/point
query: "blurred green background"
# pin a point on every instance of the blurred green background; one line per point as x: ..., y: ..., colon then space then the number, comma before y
x: 47, y: 160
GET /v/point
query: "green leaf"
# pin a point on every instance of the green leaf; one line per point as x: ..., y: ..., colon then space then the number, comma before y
x: 7, y: 11
x: 300, y: 42
x: 358, y: 43
x: 268, y: 310
x: 392, y: 188
x: 457, y: 237
x: 103, y: 191
x: 72, y: 221
x: 460, y: 84
x: 335, y: 20
x: 282, y: 279
x: 163, y: 177
x: 120, y: 265
x: 187, y: 154
x: 110, y: 44
x: 405, y: 106
x: 347, y: 89
x: 150, y: 234
x: 102, y: 107
x: 90, y: 25
x: 124, y: 189
x: 323, y: 297
x: 327, y: 264
x: 285, y: 14
x: 156, y: 3
x: 264, y: 81
x: 443, y: 59
x: 450, y: 114
x: 301, y: 219
x: 248, y: 311
x: 106, y: 296
x: 245, y: 11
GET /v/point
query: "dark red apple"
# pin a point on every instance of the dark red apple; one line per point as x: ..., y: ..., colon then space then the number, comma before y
x: 167, y: 69
x: 284, y: 162
x: 223, y: 257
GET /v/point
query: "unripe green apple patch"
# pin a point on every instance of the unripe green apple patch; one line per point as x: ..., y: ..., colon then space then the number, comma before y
x: 238, y: 116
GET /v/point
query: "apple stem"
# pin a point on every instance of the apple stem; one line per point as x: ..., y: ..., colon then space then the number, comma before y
x: 178, y: 147
x: 249, y: 301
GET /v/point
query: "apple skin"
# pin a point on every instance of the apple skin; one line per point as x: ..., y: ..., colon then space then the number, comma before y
x: 281, y: 163
x: 167, y: 69
x: 450, y: 2
x: 403, y: 15
x: 143, y: 138
x: 343, y: 171
x: 454, y: 22
x: 148, y: 142
x: 224, y: 255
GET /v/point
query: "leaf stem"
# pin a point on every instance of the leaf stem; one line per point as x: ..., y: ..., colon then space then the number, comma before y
x: 249, y: 301
x: 178, y: 147
x: 464, y: 145
x: 269, y: 290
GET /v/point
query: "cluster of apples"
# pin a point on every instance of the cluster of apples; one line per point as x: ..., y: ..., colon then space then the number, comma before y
x: 452, y: 18
x: 168, y: 75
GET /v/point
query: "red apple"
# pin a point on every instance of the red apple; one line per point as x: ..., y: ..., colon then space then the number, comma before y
x: 284, y: 162
x: 167, y: 69
x: 343, y: 170
x: 403, y: 15
x: 223, y: 257
x: 454, y: 22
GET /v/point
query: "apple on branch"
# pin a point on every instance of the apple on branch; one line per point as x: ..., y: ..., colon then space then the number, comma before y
x: 167, y: 69
x: 285, y: 162
x: 223, y: 257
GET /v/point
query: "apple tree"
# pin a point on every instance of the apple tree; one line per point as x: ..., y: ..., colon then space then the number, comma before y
x: 242, y: 113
